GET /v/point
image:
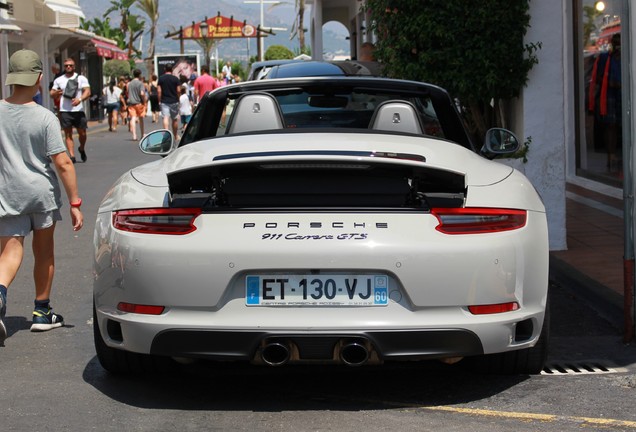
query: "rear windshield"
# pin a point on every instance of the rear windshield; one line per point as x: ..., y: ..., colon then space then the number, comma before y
x: 328, y: 107
x: 355, y: 110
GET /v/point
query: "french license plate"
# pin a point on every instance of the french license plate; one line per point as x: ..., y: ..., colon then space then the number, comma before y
x: 316, y: 290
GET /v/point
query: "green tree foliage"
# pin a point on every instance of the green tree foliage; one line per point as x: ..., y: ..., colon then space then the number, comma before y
x: 116, y: 68
x: 590, y: 13
x: 123, y: 8
x: 473, y: 48
x: 206, y: 45
x: 103, y: 28
x: 131, y: 25
x: 306, y: 51
x: 239, y: 70
x: 277, y: 52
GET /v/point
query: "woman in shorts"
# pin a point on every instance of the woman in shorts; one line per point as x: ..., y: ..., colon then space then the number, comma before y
x: 112, y: 100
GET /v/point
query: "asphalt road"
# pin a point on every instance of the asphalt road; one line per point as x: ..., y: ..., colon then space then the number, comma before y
x: 53, y: 381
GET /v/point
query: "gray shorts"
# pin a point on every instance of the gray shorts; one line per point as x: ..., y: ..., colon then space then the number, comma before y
x: 22, y: 225
x: 170, y: 110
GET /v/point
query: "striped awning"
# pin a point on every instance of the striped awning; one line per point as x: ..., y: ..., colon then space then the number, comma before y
x: 109, y: 50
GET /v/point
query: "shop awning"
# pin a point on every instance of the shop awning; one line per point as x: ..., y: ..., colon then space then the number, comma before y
x: 65, y: 6
x: 109, y: 50
x: 6, y: 25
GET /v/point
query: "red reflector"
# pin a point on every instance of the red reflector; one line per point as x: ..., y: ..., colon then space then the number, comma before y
x: 478, y: 220
x: 175, y: 221
x: 140, y: 309
x: 493, y: 309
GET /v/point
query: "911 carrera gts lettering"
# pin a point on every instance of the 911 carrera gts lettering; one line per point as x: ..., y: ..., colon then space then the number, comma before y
x: 296, y: 236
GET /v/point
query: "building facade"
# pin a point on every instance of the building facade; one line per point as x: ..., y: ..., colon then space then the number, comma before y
x: 573, y: 143
x: 51, y: 28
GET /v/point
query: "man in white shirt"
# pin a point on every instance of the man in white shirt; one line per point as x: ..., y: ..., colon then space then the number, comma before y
x: 71, y: 107
x: 227, y: 70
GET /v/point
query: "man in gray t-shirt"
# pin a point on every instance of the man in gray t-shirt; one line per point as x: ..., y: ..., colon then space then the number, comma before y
x: 30, y: 194
x: 137, y: 101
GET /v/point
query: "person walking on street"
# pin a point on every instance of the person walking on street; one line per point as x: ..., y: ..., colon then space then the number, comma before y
x: 123, y: 111
x: 227, y: 72
x: 71, y: 106
x: 154, y: 101
x: 113, y: 100
x: 55, y: 70
x: 30, y: 193
x: 137, y: 101
x: 185, y: 108
x: 168, y: 97
x: 203, y: 84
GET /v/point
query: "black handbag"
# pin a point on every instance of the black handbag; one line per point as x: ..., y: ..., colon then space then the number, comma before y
x: 70, y: 91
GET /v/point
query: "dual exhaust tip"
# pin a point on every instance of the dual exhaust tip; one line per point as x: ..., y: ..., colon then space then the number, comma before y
x: 276, y: 353
x: 353, y: 352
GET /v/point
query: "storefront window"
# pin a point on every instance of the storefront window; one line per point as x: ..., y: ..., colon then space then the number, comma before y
x: 599, y: 144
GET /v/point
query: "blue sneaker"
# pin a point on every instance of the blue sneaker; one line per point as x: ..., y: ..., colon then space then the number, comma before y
x: 3, y: 311
x: 44, y: 320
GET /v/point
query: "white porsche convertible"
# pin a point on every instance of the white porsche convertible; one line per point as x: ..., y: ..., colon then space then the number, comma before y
x: 323, y: 220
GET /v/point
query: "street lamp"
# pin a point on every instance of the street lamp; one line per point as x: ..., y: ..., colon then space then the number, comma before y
x: 204, y: 27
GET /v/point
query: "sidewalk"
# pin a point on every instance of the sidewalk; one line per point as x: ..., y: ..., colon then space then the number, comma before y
x: 593, y: 263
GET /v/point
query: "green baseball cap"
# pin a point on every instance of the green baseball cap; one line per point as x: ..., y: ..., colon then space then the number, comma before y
x: 25, y: 67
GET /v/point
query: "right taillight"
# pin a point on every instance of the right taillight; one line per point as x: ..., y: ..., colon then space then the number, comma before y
x: 170, y: 221
x: 478, y: 220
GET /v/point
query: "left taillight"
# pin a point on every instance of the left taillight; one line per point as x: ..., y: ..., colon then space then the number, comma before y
x: 171, y: 221
x: 478, y: 220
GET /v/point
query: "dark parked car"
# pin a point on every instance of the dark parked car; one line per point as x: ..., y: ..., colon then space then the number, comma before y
x: 328, y: 68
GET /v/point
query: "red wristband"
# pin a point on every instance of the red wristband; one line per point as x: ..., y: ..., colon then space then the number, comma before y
x: 77, y: 204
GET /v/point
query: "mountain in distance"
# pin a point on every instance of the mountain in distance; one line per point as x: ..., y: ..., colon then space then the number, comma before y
x: 173, y: 14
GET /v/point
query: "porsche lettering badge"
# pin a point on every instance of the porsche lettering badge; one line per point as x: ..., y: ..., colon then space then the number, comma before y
x: 318, y: 225
x: 290, y: 230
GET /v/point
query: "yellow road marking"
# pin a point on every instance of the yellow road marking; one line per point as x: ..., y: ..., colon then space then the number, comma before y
x: 509, y: 415
x: 512, y: 415
x: 534, y: 417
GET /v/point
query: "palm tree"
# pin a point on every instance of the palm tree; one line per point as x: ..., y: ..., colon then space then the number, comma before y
x: 151, y: 8
x: 103, y: 28
x: 298, y: 28
x: 130, y: 24
x: 123, y: 7
x: 136, y: 27
x: 206, y: 45
x: 589, y: 26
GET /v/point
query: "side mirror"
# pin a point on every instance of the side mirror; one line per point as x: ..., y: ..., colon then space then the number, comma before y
x: 500, y: 142
x: 159, y: 142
